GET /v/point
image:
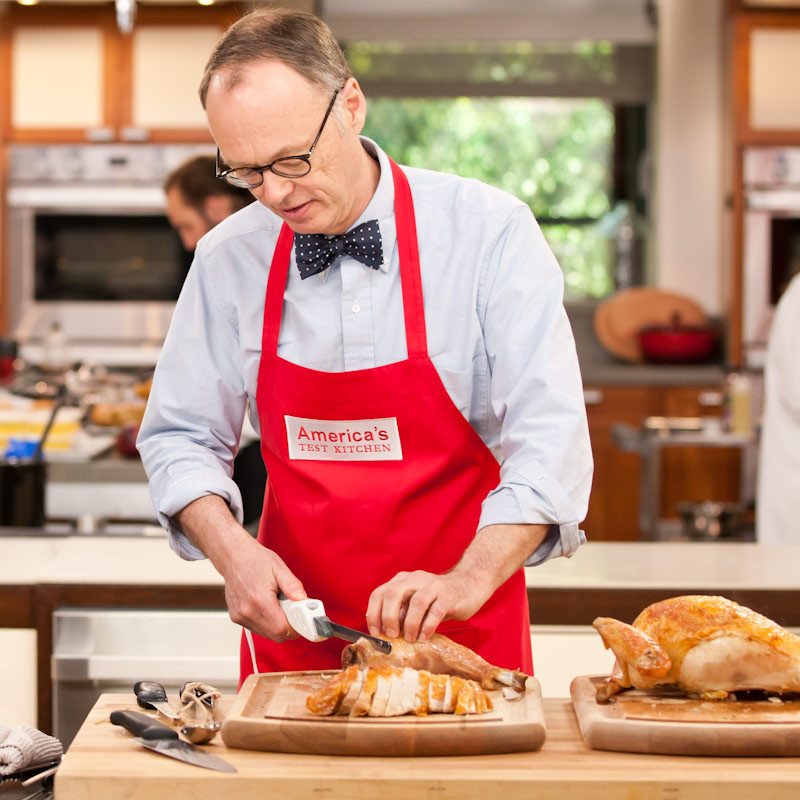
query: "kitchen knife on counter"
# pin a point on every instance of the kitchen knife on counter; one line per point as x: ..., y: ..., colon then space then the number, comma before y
x: 160, y: 738
x: 307, y: 617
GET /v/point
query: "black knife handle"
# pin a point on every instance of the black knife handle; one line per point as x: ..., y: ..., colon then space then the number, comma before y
x: 142, y: 725
x: 149, y: 692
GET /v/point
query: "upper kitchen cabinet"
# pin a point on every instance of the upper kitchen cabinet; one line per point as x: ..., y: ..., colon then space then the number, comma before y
x: 766, y: 60
x: 72, y: 75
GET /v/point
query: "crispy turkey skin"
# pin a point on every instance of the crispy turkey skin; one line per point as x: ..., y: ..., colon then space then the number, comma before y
x: 704, y: 645
x: 439, y: 655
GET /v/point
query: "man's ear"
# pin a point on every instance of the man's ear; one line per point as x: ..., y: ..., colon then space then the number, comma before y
x: 217, y: 207
x: 355, y: 105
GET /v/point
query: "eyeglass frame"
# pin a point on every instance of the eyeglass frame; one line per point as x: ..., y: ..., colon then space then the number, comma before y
x: 223, y: 174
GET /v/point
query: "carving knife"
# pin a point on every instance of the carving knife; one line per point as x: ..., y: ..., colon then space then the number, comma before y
x: 307, y: 617
x: 162, y: 739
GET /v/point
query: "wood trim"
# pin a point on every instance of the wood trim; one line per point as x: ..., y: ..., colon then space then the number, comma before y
x: 223, y: 16
x: 16, y: 607
x: 581, y: 606
x: 116, y: 73
x: 735, y: 353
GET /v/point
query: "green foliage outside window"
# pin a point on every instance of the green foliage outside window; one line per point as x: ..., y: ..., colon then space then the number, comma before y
x: 554, y: 154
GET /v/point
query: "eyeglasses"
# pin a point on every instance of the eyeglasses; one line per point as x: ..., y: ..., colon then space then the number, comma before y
x: 287, y: 167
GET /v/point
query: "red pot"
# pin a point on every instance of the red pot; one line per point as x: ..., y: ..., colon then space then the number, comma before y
x: 678, y: 344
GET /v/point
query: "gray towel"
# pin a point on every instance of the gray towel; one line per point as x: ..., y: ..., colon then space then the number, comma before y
x: 25, y: 746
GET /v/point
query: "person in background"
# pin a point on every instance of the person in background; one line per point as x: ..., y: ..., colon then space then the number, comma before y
x: 195, y: 202
x: 402, y: 336
x: 777, y: 517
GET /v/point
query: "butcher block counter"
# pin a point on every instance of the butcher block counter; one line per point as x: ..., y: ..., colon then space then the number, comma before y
x: 104, y: 762
x: 40, y: 573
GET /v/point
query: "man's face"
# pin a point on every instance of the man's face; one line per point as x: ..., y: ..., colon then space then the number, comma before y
x: 274, y: 112
x: 190, y: 224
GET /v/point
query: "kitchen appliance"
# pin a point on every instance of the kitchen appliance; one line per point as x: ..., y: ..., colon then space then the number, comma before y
x: 307, y: 617
x: 771, y: 240
x: 89, y: 246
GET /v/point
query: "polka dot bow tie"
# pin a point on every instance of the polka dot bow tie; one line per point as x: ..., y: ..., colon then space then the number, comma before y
x: 315, y: 252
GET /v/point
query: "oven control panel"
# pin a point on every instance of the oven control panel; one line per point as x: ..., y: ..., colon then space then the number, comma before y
x: 98, y: 163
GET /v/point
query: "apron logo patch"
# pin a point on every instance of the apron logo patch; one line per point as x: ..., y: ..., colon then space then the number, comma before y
x: 343, y: 440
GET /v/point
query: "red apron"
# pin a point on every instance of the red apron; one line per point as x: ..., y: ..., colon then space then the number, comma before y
x: 344, y: 527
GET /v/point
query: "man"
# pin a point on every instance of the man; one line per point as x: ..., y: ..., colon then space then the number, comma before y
x: 777, y: 521
x: 196, y: 201
x: 390, y: 368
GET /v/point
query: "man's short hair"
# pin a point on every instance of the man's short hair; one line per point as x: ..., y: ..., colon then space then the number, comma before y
x: 298, y: 39
x: 196, y: 180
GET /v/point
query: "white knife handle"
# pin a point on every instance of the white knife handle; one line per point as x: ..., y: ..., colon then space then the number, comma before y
x: 301, y: 613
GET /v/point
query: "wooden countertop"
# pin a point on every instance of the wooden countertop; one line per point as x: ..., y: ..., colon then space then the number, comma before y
x: 103, y: 762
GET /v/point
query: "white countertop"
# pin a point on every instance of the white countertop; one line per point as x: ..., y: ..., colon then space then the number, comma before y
x: 673, y: 565
x: 119, y: 560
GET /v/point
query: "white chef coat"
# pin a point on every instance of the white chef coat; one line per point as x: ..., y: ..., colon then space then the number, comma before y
x: 497, y: 332
x: 778, y: 495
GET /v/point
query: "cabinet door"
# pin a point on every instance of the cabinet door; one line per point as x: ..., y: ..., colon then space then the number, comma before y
x: 687, y: 473
x: 695, y: 474
x: 765, y: 63
x: 167, y: 63
x: 73, y: 76
x: 53, y: 73
x: 614, y: 503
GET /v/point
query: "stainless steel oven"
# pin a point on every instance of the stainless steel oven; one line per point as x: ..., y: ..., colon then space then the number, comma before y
x: 771, y: 251
x: 89, y: 245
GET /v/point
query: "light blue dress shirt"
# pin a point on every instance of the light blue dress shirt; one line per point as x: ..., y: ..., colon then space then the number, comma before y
x: 497, y: 332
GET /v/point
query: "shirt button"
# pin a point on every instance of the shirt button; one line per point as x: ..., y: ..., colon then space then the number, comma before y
x: 356, y: 307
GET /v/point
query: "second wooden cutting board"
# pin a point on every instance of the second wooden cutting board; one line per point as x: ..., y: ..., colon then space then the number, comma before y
x: 639, y: 722
x: 270, y: 713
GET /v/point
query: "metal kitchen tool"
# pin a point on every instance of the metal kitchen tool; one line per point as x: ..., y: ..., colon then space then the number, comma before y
x: 197, y: 712
x: 202, y: 732
x: 307, y: 617
x: 150, y: 694
x: 162, y: 739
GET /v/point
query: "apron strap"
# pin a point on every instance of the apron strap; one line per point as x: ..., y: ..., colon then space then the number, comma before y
x: 413, y: 305
x: 273, y: 304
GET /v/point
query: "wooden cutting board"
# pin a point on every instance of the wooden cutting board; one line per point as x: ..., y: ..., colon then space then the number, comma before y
x: 270, y: 714
x: 671, y: 724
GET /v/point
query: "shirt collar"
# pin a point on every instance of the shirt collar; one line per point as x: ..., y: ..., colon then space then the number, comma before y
x: 381, y: 206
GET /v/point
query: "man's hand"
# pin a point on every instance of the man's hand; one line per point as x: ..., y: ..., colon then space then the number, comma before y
x: 415, y: 603
x: 253, y: 574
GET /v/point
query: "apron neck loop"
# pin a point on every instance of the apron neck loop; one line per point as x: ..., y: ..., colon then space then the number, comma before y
x: 413, y: 305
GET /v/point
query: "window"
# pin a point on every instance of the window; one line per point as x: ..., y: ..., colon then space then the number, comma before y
x: 539, y: 122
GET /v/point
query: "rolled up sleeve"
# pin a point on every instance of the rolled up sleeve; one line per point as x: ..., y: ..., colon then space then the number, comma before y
x: 190, y: 431
x: 536, y: 393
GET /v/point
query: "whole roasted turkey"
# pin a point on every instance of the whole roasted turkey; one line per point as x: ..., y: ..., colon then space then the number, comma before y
x: 705, y: 646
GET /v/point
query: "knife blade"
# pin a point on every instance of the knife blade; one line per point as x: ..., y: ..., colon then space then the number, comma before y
x: 159, y: 738
x: 327, y: 628
x: 307, y: 617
